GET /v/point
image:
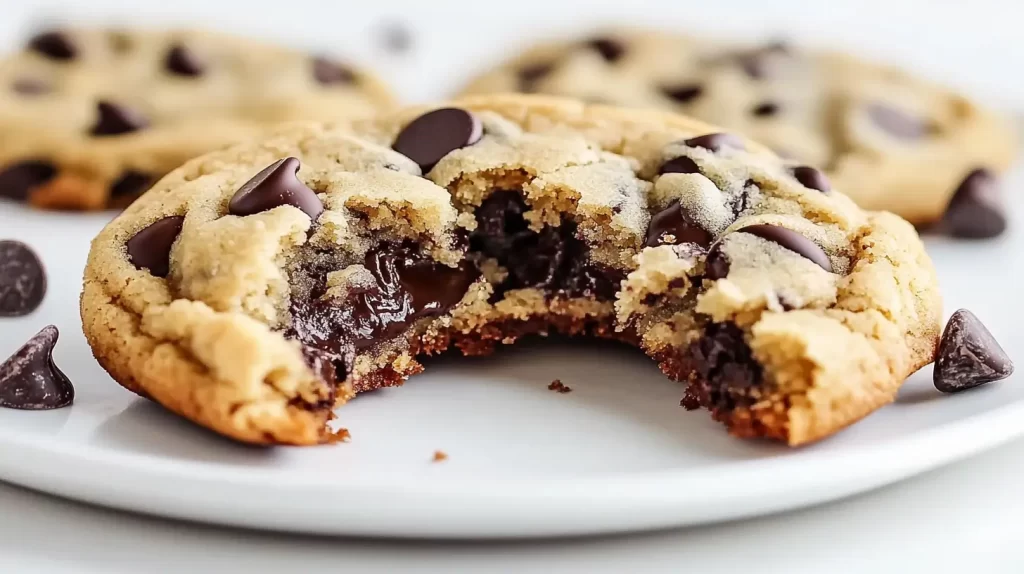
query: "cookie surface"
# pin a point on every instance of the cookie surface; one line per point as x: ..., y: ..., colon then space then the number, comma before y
x: 256, y: 288
x: 890, y: 141
x: 91, y: 118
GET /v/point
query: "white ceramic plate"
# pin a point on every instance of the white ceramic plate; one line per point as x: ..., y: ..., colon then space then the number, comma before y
x: 616, y: 454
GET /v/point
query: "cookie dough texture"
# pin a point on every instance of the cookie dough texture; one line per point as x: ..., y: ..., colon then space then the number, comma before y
x: 90, y: 117
x: 813, y: 350
x: 887, y: 139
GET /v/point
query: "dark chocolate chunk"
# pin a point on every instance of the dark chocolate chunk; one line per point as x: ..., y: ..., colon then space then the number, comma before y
x: 898, y: 123
x: 328, y: 72
x: 968, y: 356
x: 278, y: 184
x: 610, y: 49
x: 182, y: 61
x: 435, y: 134
x: 681, y: 164
x: 976, y: 211
x: 533, y: 73
x: 54, y: 45
x: 716, y: 142
x: 131, y: 183
x: 728, y: 373
x: 766, y: 109
x: 675, y: 222
x: 812, y: 178
x: 22, y: 279
x: 150, y: 248
x: 19, y: 179
x: 683, y: 93
x: 29, y: 379
x: 791, y: 240
x: 716, y: 265
x: 553, y: 259
x: 116, y: 119
x: 31, y: 87
x: 321, y: 363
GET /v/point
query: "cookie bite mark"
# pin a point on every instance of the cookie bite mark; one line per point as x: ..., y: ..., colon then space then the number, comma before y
x: 277, y: 184
x: 115, y: 119
x: 150, y: 248
x: 435, y: 134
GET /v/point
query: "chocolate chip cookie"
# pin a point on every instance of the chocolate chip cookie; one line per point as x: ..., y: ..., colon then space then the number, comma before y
x: 91, y: 118
x: 255, y: 289
x: 889, y: 140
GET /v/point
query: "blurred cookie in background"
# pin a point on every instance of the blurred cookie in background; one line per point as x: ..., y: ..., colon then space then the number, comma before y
x: 91, y: 117
x: 891, y: 141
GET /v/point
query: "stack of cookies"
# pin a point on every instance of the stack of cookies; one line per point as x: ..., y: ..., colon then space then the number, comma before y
x: 255, y: 288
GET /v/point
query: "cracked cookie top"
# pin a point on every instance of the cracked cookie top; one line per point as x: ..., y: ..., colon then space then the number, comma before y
x: 93, y: 117
x: 282, y: 276
x: 889, y: 140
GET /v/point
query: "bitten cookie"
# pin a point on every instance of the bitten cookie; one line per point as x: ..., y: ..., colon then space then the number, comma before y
x: 90, y: 118
x: 257, y: 288
x: 889, y: 140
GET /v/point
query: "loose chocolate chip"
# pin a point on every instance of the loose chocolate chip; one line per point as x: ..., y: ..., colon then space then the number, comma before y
x: 716, y: 142
x: 21, y: 178
x: 30, y: 87
x: 766, y: 109
x: 131, y: 183
x: 968, y: 355
x: 681, y: 164
x: 683, y: 93
x: 184, y: 62
x: 793, y: 241
x: 531, y: 74
x: 716, y: 265
x: 29, y: 379
x: 116, y: 119
x: 22, y: 279
x: 435, y: 134
x: 278, y: 184
x: 328, y: 72
x: 611, y: 50
x: 812, y: 178
x: 975, y: 210
x: 55, y: 45
x: 897, y: 122
x: 674, y: 221
x: 151, y: 247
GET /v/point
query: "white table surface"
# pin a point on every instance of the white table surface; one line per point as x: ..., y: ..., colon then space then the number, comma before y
x: 963, y: 518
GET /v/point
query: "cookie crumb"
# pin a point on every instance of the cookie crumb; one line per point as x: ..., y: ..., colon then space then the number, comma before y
x: 557, y: 386
x: 440, y: 455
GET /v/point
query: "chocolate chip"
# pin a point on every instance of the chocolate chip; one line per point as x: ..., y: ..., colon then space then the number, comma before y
x: 55, y: 45
x: 975, y: 210
x: 968, y: 355
x: 812, y: 178
x: 278, y: 184
x: 328, y: 72
x: 683, y: 93
x: 611, y: 50
x: 19, y: 179
x: 30, y: 87
x: 29, y: 379
x: 531, y: 74
x: 435, y: 134
x: 716, y: 142
x: 151, y: 247
x: 675, y: 221
x: 131, y: 183
x: 116, y: 119
x: 22, y: 279
x: 766, y: 109
x: 716, y: 265
x: 897, y: 122
x: 681, y: 164
x: 792, y: 241
x: 184, y: 62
